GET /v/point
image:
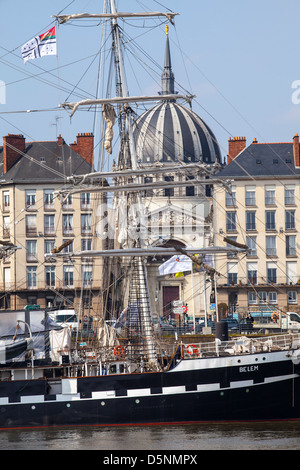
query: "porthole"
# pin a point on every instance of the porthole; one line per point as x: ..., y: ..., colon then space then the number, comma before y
x: 103, y: 403
x: 68, y: 405
x: 137, y: 401
x: 222, y: 394
x: 33, y: 407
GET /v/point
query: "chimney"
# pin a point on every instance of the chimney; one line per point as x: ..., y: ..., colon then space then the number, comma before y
x: 13, y: 147
x: 296, y: 150
x: 84, y: 145
x: 60, y: 140
x: 235, y: 146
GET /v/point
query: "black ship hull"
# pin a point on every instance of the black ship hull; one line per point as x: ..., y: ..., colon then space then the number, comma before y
x: 236, y: 388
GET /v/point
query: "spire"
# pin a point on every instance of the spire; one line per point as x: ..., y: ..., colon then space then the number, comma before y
x: 167, y: 77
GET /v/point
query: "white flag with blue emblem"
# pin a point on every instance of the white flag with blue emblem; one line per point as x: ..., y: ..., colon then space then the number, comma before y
x: 176, y: 264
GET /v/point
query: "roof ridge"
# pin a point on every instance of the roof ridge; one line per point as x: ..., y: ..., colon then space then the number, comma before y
x: 270, y: 143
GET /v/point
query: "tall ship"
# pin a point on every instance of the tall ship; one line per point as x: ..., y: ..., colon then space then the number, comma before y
x: 130, y: 374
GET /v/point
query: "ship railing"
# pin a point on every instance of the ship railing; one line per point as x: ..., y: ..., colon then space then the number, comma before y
x: 242, y: 345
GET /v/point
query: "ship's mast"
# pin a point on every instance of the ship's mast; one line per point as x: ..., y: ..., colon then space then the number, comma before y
x: 128, y: 159
x: 139, y: 292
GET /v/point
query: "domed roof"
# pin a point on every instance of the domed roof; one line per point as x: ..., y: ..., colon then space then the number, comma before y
x: 170, y: 132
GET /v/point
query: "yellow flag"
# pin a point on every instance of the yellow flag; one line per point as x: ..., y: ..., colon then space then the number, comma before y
x: 178, y: 275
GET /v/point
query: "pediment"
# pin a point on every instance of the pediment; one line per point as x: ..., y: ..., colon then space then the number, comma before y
x: 188, y: 214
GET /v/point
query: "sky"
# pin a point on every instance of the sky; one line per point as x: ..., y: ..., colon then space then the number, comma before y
x: 240, y: 59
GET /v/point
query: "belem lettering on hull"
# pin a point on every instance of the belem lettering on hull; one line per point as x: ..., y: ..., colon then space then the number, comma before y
x: 248, y: 369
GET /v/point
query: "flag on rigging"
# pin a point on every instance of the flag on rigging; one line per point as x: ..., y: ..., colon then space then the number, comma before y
x: 44, y: 44
x: 176, y: 264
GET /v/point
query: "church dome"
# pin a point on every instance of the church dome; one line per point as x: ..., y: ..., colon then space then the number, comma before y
x: 170, y: 132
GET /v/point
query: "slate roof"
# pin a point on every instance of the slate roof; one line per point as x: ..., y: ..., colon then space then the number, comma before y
x: 263, y: 160
x: 48, y: 162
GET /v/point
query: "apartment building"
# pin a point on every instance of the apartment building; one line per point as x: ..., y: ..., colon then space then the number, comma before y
x: 37, y: 220
x: 262, y: 211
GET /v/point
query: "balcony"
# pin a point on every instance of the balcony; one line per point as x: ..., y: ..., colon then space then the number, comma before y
x: 260, y: 281
x: 36, y: 285
x: 31, y: 231
x: 49, y: 230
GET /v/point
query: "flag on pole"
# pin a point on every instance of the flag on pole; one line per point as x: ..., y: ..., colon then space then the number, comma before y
x: 42, y: 45
x: 176, y: 264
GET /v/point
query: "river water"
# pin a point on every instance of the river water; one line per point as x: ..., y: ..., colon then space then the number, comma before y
x: 180, y: 438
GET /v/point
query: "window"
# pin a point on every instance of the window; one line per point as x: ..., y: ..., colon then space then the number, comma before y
x: 68, y: 202
x: 31, y: 250
x: 86, y: 223
x: 49, y: 199
x: 271, y: 273
x: 250, y: 196
x: 6, y: 226
x: 30, y: 195
x: 272, y: 297
x: 250, y: 220
x: 5, y: 201
x: 69, y: 248
x: 262, y: 296
x: 86, y: 244
x: 232, y: 273
x: 271, y: 245
x: 292, y: 297
x: 270, y: 220
x: 252, y: 273
x: 6, y: 278
x: 87, y: 271
x: 31, y: 277
x: 190, y: 190
x: 48, y: 246
x: 231, y: 255
x: 68, y: 224
x: 270, y: 195
x: 169, y: 191
x: 230, y: 221
x: 251, y: 243
x: 230, y: 199
x: 85, y: 201
x: 291, y: 272
x: 251, y: 298
x: 68, y: 276
x: 289, y: 194
x: 31, y: 225
x: 148, y: 192
x: 290, y: 244
x: 50, y: 276
x: 31, y: 300
x: 49, y: 225
x: 289, y: 220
